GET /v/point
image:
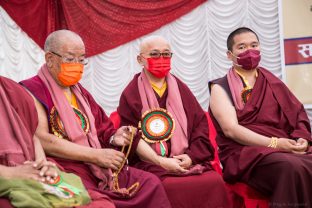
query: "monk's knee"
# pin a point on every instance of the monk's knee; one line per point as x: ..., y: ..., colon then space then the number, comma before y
x: 214, y: 178
x: 288, y: 167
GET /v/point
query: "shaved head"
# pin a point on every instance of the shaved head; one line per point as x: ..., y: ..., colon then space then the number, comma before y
x: 150, y: 41
x: 57, y: 39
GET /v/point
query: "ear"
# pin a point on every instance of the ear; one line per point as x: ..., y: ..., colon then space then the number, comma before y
x: 229, y: 55
x: 139, y: 59
x: 48, y: 58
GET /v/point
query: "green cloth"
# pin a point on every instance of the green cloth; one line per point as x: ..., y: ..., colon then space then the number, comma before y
x: 30, y: 193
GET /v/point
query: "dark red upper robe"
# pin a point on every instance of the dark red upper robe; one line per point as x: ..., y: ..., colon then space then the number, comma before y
x: 187, y: 191
x: 151, y: 193
x: 24, y: 106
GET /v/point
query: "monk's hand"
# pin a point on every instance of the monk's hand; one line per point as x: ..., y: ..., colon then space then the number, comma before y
x: 122, y: 136
x: 302, y: 146
x: 172, y: 165
x: 185, y: 160
x: 108, y: 158
x: 288, y: 145
x: 47, y: 170
x: 24, y: 171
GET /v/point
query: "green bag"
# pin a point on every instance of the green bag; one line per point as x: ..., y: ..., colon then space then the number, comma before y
x: 67, y: 192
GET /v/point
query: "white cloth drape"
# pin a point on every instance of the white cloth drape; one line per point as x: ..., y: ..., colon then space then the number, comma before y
x: 198, y: 41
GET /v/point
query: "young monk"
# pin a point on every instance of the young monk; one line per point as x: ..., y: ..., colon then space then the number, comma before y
x: 263, y: 130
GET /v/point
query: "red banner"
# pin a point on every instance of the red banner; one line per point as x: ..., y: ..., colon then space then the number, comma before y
x: 298, y: 50
x: 102, y: 24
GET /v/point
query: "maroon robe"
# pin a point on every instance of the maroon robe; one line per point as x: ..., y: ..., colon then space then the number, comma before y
x: 24, y: 106
x: 273, y: 111
x: 150, y: 194
x: 187, y: 191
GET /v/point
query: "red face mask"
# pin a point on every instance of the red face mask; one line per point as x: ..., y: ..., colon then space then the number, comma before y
x: 159, y: 67
x: 249, y: 59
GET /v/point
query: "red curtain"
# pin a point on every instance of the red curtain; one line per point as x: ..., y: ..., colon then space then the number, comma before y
x: 103, y: 24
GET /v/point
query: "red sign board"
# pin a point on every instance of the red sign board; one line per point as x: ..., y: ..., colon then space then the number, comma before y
x: 298, y: 50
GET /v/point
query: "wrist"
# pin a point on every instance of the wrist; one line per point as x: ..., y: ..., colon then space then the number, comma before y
x: 159, y: 160
x: 273, y: 142
x: 92, y: 156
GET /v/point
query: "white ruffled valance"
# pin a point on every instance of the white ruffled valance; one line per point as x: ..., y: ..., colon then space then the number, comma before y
x: 198, y: 41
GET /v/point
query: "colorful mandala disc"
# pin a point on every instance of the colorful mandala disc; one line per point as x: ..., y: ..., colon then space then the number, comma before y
x: 157, y: 125
x: 57, y: 125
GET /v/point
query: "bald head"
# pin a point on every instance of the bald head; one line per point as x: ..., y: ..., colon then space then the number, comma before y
x: 153, y: 42
x: 57, y: 39
x: 61, y: 47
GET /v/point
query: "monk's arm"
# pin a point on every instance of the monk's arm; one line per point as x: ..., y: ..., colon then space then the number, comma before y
x: 39, y: 152
x: 24, y: 171
x: 225, y: 114
x: 63, y: 148
x: 55, y: 146
x: 146, y: 153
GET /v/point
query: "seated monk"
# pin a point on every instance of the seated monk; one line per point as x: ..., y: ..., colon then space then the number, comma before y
x: 182, y: 160
x: 23, y: 165
x: 76, y: 133
x: 263, y: 130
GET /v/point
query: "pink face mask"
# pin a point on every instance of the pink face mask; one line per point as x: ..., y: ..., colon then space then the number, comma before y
x: 159, y: 67
x: 249, y: 59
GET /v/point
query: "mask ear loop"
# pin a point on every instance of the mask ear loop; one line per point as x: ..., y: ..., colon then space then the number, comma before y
x: 240, y: 66
x: 141, y: 63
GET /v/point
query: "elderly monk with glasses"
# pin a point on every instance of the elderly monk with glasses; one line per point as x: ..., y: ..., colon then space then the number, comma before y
x: 76, y: 133
x: 173, y: 140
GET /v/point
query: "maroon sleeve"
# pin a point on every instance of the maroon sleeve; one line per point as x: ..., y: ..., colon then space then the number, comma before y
x: 22, y: 102
x: 303, y: 128
x: 200, y: 149
x: 104, y: 127
x: 129, y: 110
x: 290, y: 106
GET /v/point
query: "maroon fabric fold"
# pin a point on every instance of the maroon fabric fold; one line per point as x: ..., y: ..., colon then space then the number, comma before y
x: 19, y: 121
x: 103, y: 25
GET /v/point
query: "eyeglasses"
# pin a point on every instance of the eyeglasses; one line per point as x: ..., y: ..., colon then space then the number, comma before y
x: 80, y: 60
x: 158, y: 54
